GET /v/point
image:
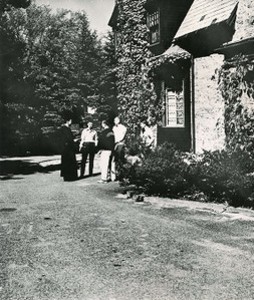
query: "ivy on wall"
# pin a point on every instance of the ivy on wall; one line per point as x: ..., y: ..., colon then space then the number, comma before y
x: 138, y: 86
x: 236, y: 82
x: 171, y: 56
x: 136, y: 93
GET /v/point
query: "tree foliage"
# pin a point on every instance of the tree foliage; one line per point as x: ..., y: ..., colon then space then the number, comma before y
x: 63, y: 58
x: 107, y: 105
x: 8, y: 4
x: 51, y: 62
x: 13, y: 87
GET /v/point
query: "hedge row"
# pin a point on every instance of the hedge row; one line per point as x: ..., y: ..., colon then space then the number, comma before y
x: 218, y: 176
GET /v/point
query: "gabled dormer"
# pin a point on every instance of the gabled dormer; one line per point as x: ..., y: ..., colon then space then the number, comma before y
x: 207, y: 26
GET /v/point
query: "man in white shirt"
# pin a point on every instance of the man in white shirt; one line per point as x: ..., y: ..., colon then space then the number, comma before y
x: 87, y: 146
x: 118, y: 153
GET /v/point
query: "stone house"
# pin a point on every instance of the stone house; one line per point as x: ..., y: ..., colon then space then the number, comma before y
x: 190, y: 40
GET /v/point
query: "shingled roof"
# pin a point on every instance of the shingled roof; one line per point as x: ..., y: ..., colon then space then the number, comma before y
x: 204, y: 13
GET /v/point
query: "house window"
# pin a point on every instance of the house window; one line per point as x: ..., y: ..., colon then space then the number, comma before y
x: 175, y: 113
x: 153, y: 23
x: 154, y: 36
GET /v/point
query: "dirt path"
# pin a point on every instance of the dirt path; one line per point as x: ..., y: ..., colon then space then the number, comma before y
x: 82, y: 241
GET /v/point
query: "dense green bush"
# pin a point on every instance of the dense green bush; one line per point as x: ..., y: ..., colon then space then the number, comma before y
x: 161, y: 172
x: 218, y: 176
x: 224, y: 176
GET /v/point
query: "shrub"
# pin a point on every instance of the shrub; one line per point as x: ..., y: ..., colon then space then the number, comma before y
x: 135, y: 146
x: 216, y: 176
x: 161, y: 173
x: 224, y: 176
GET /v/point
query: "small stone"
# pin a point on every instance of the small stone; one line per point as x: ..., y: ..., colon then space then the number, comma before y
x: 138, y: 198
x: 129, y: 194
x: 121, y: 196
x: 47, y: 218
x: 8, y: 209
x: 116, y: 265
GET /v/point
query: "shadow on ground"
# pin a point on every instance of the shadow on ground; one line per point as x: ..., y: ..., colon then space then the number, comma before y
x: 9, y: 168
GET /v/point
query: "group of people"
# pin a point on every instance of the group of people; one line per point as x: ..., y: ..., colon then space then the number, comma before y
x: 110, y: 143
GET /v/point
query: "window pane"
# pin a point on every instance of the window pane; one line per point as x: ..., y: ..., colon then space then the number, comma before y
x: 174, y: 109
x: 155, y: 36
x: 153, y: 19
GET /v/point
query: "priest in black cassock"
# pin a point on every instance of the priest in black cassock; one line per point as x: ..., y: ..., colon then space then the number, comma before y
x: 68, y: 151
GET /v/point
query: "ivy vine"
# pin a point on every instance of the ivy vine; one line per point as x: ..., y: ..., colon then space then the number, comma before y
x: 137, y: 98
x: 236, y: 82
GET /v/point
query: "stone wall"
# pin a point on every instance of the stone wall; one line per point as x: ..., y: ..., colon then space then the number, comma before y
x: 244, y: 20
x: 245, y: 29
x: 209, y: 105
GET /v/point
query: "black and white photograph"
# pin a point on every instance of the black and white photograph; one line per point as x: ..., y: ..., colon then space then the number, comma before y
x: 126, y: 150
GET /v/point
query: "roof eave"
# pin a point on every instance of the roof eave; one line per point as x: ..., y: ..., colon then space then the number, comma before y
x: 177, y: 38
x: 236, y: 43
x: 244, y: 46
x: 113, y: 18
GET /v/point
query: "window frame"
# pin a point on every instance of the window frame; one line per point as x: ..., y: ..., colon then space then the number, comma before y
x: 153, y: 24
x: 176, y: 95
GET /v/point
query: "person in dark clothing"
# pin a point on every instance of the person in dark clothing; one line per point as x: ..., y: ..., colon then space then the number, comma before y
x: 106, y: 143
x: 68, y: 156
x: 117, y: 159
